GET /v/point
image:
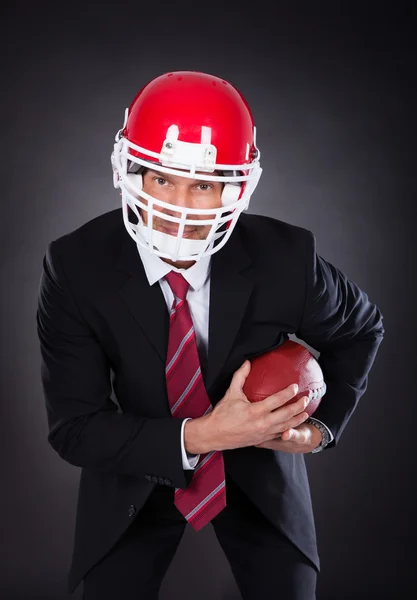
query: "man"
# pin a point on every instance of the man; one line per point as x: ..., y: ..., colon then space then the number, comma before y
x: 168, y: 318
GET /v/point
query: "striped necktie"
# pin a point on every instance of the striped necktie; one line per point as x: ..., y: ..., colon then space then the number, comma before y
x: 205, y: 496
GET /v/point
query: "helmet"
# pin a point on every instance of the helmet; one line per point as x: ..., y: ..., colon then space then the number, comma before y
x: 193, y: 125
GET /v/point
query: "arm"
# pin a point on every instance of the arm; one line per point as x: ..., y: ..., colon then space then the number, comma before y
x: 85, y: 428
x: 341, y: 323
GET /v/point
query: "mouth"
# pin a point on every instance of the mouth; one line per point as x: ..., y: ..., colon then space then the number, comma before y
x: 174, y: 231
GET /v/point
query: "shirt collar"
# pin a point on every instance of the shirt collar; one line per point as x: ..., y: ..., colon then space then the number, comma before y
x: 156, y: 268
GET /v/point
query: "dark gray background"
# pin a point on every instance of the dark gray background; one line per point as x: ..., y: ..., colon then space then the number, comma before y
x: 331, y: 92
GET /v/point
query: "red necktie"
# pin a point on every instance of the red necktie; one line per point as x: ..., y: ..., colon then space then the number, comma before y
x: 205, y: 496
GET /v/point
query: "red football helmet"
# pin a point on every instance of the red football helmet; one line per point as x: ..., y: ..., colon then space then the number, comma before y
x: 193, y: 125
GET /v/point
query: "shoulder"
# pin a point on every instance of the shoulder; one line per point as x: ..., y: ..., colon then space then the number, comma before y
x: 264, y: 234
x: 100, y: 237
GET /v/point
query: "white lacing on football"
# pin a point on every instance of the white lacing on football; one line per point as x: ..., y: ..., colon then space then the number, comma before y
x: 317, y: 392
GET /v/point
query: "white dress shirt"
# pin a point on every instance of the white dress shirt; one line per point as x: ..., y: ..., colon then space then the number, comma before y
x: 198, y: 298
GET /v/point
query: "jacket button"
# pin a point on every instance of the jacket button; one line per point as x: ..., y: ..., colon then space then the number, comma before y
x: 148, y: 477
x: 161, y: 480
x: 167, y: 482
x: 155, y: 479
x: 132, y: 510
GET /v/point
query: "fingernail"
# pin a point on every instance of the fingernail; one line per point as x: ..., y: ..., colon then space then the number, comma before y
x: 295, y: 388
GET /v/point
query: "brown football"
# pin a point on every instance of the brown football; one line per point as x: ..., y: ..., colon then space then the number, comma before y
x: 290, y: 363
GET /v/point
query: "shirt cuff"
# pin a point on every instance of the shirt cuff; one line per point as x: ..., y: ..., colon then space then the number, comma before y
x: 324, y: 425
x: 189, y: 461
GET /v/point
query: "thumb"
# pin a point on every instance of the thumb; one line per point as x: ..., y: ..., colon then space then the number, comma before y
x: 241, y: 374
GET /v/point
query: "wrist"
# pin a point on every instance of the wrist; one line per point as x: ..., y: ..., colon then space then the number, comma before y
x: 197, y: 436
x: 324, y: 433
x: 316, y: 437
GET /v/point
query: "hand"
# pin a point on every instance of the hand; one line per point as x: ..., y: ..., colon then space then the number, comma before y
x: 297, y: 440
x: 235, y: 422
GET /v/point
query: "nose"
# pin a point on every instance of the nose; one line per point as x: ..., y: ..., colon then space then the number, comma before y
x: 179, y: 199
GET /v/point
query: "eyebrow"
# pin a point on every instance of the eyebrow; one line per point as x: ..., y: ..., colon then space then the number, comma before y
x: 167, y: 176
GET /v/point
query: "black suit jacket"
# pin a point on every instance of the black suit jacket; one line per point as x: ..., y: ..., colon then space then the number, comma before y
x: 103, y: 337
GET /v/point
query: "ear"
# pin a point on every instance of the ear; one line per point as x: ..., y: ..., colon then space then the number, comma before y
x: 230, y: 193
x: 136, y: 180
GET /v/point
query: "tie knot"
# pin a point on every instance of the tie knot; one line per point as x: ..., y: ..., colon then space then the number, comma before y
x: 178, y: 284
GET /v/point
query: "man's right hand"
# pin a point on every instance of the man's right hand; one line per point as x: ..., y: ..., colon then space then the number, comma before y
x: 235, y: 422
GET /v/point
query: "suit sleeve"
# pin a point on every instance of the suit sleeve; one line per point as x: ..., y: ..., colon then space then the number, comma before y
x: 85, y: 428
x: 346, y: 328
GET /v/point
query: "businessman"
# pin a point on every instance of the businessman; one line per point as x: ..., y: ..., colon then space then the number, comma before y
x: 148, y: 317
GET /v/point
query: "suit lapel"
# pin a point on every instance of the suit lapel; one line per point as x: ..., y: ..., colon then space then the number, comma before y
x: 229, y: 294
x: 146, y: 303
x: 230, y: 291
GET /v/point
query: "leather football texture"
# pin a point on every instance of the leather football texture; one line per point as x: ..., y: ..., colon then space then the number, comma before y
x: 290, y: 363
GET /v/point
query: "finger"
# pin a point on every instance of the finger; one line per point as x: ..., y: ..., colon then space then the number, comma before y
x: 285, y: 413
x: 301, y: 435
x: 291, y: 423
x: 291, y: 409
x: 279, y: 398
x: 289, y: 435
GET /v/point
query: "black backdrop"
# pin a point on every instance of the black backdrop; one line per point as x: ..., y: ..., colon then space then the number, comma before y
x: 331, y: 88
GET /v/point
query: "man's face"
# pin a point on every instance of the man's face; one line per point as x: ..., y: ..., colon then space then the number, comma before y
x: 185, y: 193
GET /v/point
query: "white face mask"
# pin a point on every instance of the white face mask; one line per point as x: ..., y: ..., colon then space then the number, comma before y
x: 175, y: 247
x: 166, y: 244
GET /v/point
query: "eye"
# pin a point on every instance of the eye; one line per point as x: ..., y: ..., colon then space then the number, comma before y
x: 204, y: 186
x: 159, y: 180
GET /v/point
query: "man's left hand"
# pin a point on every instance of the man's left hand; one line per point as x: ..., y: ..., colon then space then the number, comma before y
x: 298, y: 440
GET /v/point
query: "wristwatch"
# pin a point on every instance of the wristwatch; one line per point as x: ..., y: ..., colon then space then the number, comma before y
x: 326, y: 436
